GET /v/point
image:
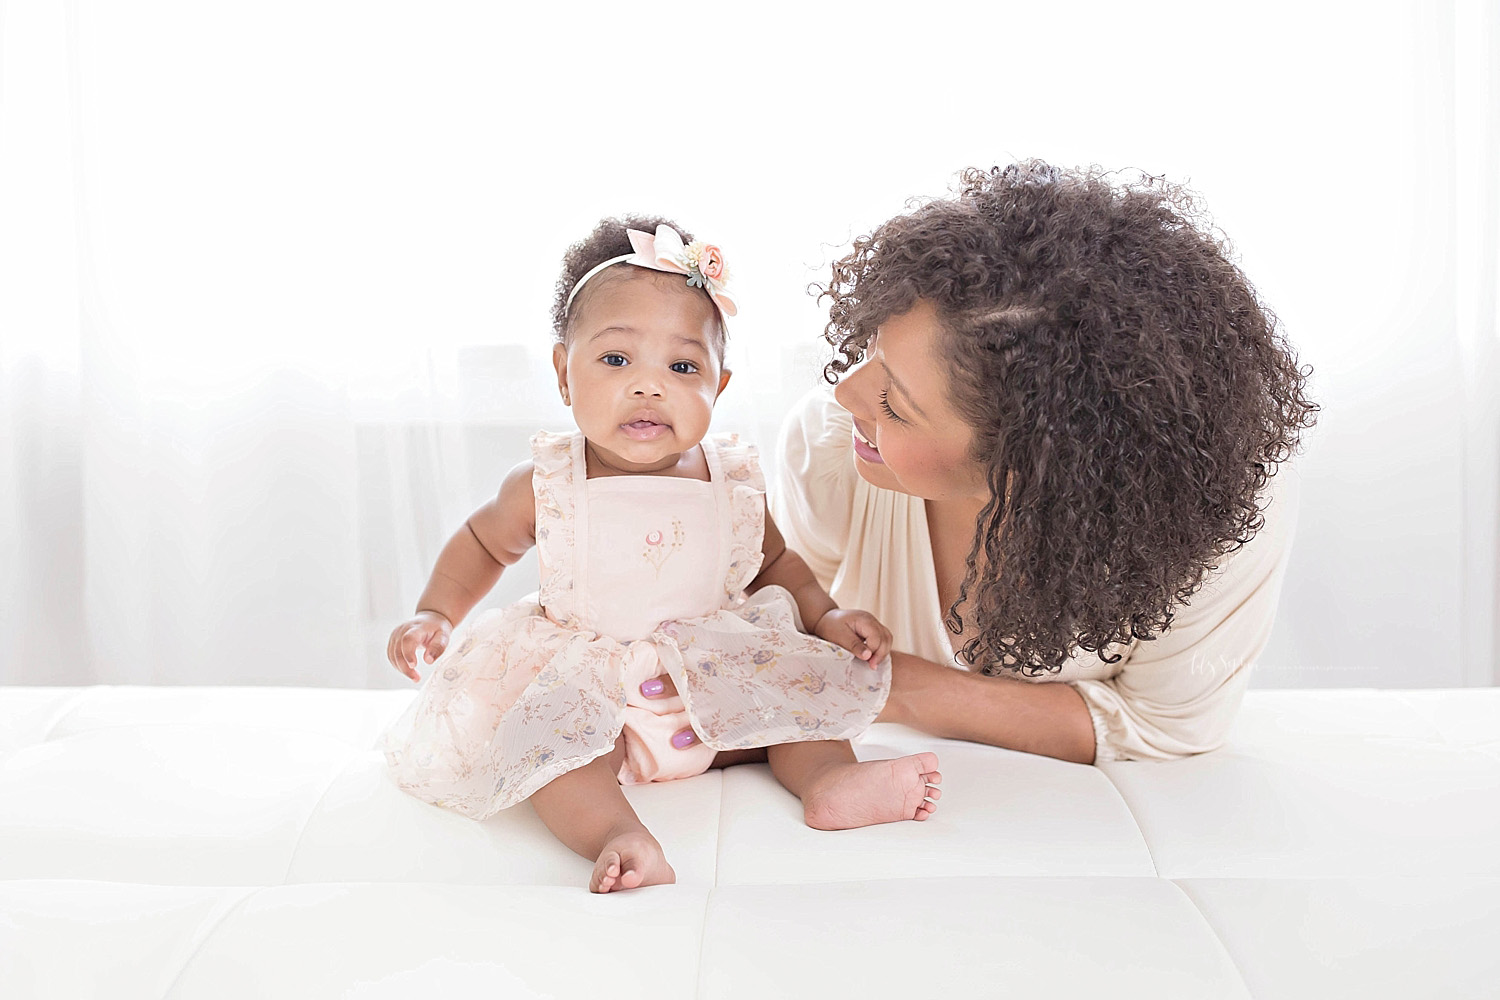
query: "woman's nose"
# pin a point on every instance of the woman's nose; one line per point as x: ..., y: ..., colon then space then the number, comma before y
x: 850, y: 392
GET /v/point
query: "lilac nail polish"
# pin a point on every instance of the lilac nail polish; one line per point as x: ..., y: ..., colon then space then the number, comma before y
x: 684, y: 739
x: 653, y: 687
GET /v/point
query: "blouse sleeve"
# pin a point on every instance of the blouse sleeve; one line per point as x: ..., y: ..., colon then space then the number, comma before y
x: 1179, y: 693
x: 813, y: 498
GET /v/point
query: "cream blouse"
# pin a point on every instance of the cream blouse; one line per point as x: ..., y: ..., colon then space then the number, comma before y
x: 1167, y: 698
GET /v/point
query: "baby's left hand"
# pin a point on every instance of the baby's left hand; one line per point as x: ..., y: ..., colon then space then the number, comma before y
x: 857, y: 631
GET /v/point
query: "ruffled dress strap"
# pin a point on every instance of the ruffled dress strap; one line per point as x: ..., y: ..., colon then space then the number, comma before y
x: 557, y: 472
x: 735, y: 469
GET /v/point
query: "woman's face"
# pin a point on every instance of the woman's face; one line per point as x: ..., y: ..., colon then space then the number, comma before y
x: 907, y: 436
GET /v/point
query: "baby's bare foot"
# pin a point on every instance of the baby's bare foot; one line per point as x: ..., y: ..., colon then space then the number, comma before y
x: 874, y: 791
x: 630, y: 861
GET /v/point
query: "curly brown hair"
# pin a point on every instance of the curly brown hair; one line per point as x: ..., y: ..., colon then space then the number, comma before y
x: 609, y: 240
x: 1130, y: 395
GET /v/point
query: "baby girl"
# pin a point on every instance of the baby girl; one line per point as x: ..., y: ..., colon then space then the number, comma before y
x: 657, y: 557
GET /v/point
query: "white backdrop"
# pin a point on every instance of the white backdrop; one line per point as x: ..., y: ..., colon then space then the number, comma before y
x: 274, y: 279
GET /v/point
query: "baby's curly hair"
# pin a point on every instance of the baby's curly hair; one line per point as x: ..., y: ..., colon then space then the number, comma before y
x: 1130, y: 394
x: 609, y: 240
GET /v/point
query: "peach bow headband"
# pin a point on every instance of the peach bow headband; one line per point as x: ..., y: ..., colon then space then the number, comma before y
x: 702, y: 263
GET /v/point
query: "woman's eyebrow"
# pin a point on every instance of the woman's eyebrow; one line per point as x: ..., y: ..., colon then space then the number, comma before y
x: 902, y: 389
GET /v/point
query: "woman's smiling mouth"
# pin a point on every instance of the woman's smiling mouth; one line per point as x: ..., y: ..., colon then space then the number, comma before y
x: 865, y: 448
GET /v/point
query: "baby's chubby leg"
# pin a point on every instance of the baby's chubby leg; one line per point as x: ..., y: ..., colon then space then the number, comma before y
x: 587, y: 811
x: 839, y: 792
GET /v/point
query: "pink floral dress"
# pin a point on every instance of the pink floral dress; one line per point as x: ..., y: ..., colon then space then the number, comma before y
x: 640, y: 576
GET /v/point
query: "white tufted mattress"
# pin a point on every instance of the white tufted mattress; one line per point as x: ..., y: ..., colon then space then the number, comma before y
x: 244, y: 842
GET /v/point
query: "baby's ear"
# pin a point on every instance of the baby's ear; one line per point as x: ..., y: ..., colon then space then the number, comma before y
x: 560, y: 364
x: 723, y: 381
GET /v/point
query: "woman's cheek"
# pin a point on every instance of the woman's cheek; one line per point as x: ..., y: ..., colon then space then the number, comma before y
x: 906, y: 468
x: 904, y: 462
x: 925, y: 468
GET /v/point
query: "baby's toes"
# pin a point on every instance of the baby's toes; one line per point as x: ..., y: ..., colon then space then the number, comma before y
x: 606, y: 871
x: 632, y: 867
x: 932, y: 782
x: 928, y: 791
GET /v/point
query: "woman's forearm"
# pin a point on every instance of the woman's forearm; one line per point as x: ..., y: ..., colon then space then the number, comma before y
x: 1044, y: 718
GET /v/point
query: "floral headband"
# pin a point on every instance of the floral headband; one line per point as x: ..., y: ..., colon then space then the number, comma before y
x: 703, y: 263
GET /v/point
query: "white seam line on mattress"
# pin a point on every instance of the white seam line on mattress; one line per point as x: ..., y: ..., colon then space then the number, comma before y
x: 338, y: 772
x: 1224, y: 948
x: 205, y: 935
x: 708, y: 898
x: 719, y: 833
x: 67, y: 710
x: 1150, y: 854
x: 164, y: 723
x: 713, y: 886
x: 1402, y: 699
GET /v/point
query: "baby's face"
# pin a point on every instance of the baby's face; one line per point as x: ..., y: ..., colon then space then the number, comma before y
x: 639, y: 369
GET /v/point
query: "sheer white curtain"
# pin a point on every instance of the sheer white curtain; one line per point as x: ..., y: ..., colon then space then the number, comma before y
x: 274, y: 279
x: 1476, y: 85
x: 276, y: 315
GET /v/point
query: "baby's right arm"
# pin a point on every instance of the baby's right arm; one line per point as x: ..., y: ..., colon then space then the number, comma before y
x: 494, y: 537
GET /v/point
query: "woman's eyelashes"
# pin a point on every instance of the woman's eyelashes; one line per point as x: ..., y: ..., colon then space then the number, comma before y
x: 885, y: 404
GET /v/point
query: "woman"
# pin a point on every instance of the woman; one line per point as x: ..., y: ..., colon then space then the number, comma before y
x: 1053, y: 464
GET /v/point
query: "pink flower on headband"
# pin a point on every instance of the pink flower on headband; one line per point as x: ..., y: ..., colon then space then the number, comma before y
x: 702, y: 263
x: 711, y: 263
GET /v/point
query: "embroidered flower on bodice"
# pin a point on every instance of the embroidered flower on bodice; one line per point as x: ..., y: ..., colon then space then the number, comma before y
x: 658, y: 550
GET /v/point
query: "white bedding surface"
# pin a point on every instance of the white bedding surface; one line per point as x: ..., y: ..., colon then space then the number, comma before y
x: 244, y: 842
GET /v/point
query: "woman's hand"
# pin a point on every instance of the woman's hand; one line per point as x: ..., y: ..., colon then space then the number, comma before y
x: 662, y: 687
x: 857, y: 631
x: 426, y: 630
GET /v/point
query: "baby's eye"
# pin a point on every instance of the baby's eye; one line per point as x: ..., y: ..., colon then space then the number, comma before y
x: 614, y: 360
x: 684, y: 367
